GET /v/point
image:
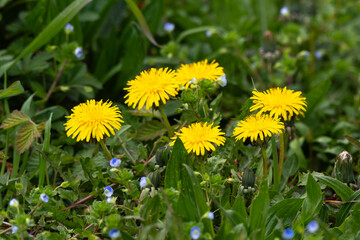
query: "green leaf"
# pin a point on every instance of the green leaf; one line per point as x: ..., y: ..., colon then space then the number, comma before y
x: 353, y: 141
x: 258, y: 212
x: 178, y: 156
x: 47, y: 136
x: 143, y: 24
x: 339, y: 187
x: 285, y: 211
x: 26, y: 107
x: 313, y: 201
x: 14, y: 89
x: 150, y: 130
x: 49, y: 32
x: 27, y: 134
x: 15, y: 118
x: 345, y: 209
x: 314, y: 97
x: 68, y: 194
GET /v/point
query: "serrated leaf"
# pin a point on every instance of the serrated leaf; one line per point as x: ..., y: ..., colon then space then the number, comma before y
x: 150, y: 130
x: 68, y: 194
x: 15, y: 118
x: 27, y: 134
x: 14, y: 89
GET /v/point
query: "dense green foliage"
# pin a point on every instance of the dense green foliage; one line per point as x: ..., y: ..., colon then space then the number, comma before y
x: 311, y: 48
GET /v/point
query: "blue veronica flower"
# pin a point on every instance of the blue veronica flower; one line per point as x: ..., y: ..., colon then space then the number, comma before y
x: 223, y: 81
x: 14, y: 203
x: 285, y: 11
x: 111, y: 200
x: 208, y: 33
x: 195, y: 232
x: 306, y: 53
x: 69, y: 28
x: 14, y: 229
x: 210, y: 216
x: 44, y: 197
x: 114, y: 233
x: 193, y: 81
x: 288, y: 234
x: 78, y: 52
x: 318, y: 54
x: 313, y: 226
x: 108, y: 191
x: 115, y: 162
x: 143, y: 182
x: 169, y: 27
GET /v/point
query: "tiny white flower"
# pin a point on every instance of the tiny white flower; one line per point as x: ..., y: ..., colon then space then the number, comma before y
x: 14, y: 203
x: 285, y: 11
x: 143, y: 182
x: 14, y: 229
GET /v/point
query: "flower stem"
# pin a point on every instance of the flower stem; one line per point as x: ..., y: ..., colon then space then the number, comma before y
x: 166, y: 121
x: 281, y: 157
x: 7, y: 112
x: 263, y: 151
x: 106, y: 150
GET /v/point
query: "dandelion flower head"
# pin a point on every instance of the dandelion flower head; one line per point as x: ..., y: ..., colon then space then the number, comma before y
x: 257, y: 126
x: 279, y: 102
x: 199, y: 70
x: 199, y: 137
x: 92, y: 120
x: 150, y: 87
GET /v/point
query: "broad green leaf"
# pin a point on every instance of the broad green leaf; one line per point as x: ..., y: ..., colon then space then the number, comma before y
x: 345, y: 209
x: 49, y: 31
x: 150, y: 130
x: 178, y: 156
x: 340, y: 188
x: 14, y: 89
x: 258, y: 212
x: 26, y: 107
x: 295, y: 146
x: 27, y: 134
x: 285, y: 211
x: 15, y: 118
x: 68, y: 194
x: 313, y: 201
x: 143, y: 24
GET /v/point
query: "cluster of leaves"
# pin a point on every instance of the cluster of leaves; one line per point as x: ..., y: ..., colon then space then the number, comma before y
x: 118, y: 41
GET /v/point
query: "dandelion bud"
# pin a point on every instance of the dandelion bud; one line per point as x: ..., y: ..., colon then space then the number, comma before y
x: 248, y: 179
x: 343, y: 170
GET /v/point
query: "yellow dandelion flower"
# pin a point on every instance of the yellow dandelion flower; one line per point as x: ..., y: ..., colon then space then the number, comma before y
x: 199, y: 70
x: 199, y: 137
x: 92, y: 120
x: 279, y: 102
x: 150, y: 87
x: 255, y: 126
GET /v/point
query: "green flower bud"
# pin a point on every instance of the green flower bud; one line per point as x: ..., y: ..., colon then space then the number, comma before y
x: 248, y: 179
x: 343, y: 170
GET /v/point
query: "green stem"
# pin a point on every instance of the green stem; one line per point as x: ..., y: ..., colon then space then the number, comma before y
x: 16, y: 163
x: 106, y: 150
x: 263, y: 151
x: 166, y: 121
x: 275, y: 163
x: 126, y: 151
x: 281, y: 157
x: 7, y: 112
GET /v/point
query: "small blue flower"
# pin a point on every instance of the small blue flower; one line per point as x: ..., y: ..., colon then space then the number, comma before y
x: 313, y: 226
x: 143, y: 182
x: 288, y: 234
x: 318, y: 54
x: 306, y: 53
x: 285, y: 11
x: 249, y: 145
x: 208, y: 33
x: 108, y: 191
x: 114, y: 233
x: 44, y: 197
x: 210, y: 216
x: 78, y: 52
x: 111, y: 200
x: 195, y: 232
x: 223, y: 81
x: 14, y: 203
x: 14, y: 229
x: 115, y: 162
x: 169, y: 27
x: 69, y: 28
